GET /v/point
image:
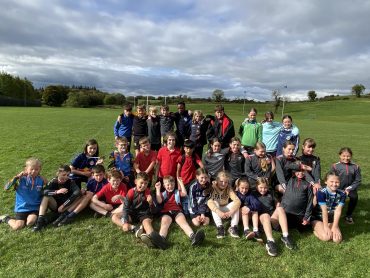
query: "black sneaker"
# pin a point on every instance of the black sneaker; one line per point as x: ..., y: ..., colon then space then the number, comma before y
x: 138, y: 231
x: 197, y: 238
x: 158, y: 241
x: 59, y: 219
x: 271, y: 248
x: 65, y: 221
x: 249, y: 234
x: 233, y: 231
x: 288, y: 242
x: 146, y: 240
x: 258, y: 237
x: 40, y: 224
x: 349, y: 220
x: 220, y: 232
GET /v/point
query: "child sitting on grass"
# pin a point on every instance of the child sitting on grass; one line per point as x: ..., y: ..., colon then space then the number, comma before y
x: 220, y: 206
x: 171, y: 209
x: 198, y: 196
x: 111, y: 194
x: 326, y: 215
x: 136, y: 209
x: 28, y: 186
x: 271, y: 216
x: 250, y: 206
x: 61, y: 195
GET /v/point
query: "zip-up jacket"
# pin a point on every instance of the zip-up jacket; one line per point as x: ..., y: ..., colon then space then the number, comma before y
x: 314, y: 163
x: 298, y: 197
x: 349, y: 174
x: 198, y: 199
x: 68, y: 198
x: 222, y: 129
x: 234, y: 163
x: 135, y: 202
x: 123, y: 126
x: 253, y: 168
x: 250, y: 132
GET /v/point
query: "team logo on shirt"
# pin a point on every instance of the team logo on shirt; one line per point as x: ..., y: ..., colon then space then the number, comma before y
x: 288, y: 137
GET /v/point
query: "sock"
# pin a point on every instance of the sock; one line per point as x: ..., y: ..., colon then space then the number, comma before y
x: 108, y: 214
x: 133, y: 227
x: 246, y: 228
x: 191, y: 235
x: 255, y: 229
x: 285, y: 234
x: 72, y: 215
x: 271, y: 239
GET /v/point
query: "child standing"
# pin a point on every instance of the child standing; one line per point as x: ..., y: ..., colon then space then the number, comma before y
x: 198, y: 196
x: 234, y: 160
x: 327, y: 213
x: 350, y: 179
x: 122, y: 160
x: 199, y: 127
x: 171, y: 211
x: 167, y: 120
x: 154, y: 129
x: 140, y: 126
x: 297, y: 201
x: 187, y: 164
x: 259, y: 164
x: 145, y: 160
x: 250, y: 131
x: 167, y: 157
x: 288, y: 133
x: 82, y: 164
x: 249, y: 207
x: 136, y: 208
x: 61, y: 195
x: 124, y: 123
x: 219, y: 204
x: 111, y: 193
x: 28, y: 186
x: 271, y: 216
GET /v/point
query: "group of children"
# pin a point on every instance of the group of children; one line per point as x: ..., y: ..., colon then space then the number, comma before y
x: 181, y: 185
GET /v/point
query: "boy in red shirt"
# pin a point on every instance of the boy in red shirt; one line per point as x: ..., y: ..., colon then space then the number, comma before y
x: 167, y: 157
x: 187, y: 164
x: 111, y: 193
x: 146, y: 159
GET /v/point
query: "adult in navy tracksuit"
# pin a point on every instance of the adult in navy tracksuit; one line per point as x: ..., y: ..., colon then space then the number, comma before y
x: 350, y: 179
x: 183, y: 124
x: 297, y: 201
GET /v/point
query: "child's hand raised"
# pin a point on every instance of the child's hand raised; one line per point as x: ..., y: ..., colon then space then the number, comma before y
x: 158, y: 186
x: 149, y: 199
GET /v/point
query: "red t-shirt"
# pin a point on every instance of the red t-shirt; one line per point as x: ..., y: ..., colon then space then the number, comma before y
x: 168, y: 161
x: 145, y: 160
x: 108, y: 192
x: 187, y: 172
x: 170, y: 204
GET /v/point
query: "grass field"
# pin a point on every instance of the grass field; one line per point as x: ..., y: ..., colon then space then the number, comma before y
x: 96, y: 248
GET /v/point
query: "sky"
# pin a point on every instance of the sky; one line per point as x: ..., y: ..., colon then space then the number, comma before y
x: 247, y: 48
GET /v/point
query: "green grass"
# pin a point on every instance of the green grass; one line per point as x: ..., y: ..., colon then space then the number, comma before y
x: 91, y: 247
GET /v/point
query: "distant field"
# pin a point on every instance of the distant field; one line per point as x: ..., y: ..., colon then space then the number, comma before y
x: 91, y: 247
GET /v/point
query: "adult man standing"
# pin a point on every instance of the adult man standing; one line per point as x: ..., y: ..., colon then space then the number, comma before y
x: 183, y: 124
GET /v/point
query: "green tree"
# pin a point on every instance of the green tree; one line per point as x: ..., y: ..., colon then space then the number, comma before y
x: 358, y: 90
x: 312, y: 95
x: 218, y: 95
x: 55, y: 95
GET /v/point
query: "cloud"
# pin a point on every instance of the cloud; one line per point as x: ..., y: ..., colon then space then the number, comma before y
x: 189, y: 47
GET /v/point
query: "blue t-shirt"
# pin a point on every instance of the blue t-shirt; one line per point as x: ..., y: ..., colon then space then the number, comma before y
x: 28, y: 194
x: 81, y: 162
x: 94, y: 186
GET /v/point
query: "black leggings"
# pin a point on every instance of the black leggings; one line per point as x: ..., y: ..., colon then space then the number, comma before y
x: 353, y: 198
